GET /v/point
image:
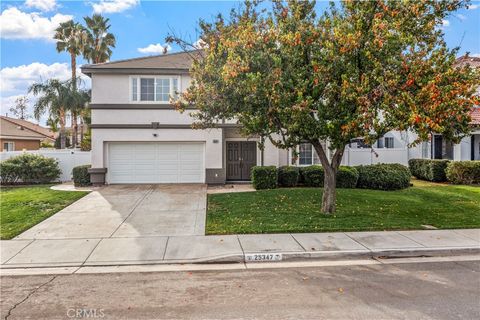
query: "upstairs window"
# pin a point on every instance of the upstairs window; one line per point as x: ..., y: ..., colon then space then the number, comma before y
x: 154, y: 89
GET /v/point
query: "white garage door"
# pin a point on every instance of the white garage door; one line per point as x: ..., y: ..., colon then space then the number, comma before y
x: 154, y: 162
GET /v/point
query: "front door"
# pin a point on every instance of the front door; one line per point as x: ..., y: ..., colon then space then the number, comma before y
x: 241, y: 157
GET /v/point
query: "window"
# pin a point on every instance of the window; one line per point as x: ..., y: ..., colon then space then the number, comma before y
x: 389, y: 142
x: 154, y: 89
x: 385, y: 142
x: 147, y: 89
x: 8, y: 146
x: 307, y: 155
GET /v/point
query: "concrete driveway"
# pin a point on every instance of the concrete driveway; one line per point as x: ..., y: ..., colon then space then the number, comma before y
x: 120, y: 211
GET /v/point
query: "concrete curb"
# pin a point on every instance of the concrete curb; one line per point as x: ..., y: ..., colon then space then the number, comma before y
x: 286, y: 256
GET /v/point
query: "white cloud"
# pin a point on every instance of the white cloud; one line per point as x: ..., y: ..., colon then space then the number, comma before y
x: 461, y: 16
x: 15, y: 24
x: 475, y: 55
x: 44, y: 5
x: 473, y: 6
x: 21, y: 77
x: 113, y: 6
x: 155, y: 49
x: 445, y: 23
x: 15, y: 81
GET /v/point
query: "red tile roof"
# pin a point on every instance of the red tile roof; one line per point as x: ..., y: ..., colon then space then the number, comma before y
x: 462, y: 61
x: 31, y: 126
x: 475, y: 114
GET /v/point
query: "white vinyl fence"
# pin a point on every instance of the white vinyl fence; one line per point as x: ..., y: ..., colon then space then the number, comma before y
x: 355, y: 157
x: 67, y: 159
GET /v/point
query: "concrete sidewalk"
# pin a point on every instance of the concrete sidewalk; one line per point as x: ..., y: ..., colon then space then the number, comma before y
x: 234, y: 248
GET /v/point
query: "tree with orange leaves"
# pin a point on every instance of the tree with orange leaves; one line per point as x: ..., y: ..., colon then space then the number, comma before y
x: 361, y: 69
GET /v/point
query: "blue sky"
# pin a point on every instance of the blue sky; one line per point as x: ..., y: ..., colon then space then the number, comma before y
x: 28, y: 54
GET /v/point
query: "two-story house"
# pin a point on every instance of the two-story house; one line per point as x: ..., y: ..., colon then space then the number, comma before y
x: 139, y: 137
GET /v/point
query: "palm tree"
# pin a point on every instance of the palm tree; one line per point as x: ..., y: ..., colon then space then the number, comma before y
x: 72, y: 38
x: 99, y: 39
x: 80, y: 100
x: 55, y: 96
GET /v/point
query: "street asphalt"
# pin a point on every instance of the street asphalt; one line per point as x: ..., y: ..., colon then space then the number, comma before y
x: 425, y: 290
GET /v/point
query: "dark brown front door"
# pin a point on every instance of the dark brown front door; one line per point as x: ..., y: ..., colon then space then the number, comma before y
x: 241, y: 157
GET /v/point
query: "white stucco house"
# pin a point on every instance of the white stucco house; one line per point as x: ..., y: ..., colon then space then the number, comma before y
x: 138, y: 136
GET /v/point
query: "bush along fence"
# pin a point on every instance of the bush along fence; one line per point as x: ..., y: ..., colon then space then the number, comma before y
x: 429, y: 169
x: 29, y: 169
x: 378, y: 176
x: 81, y: 177
x: 456, y: 172
x: 463, y: 172
x: 67, y: 159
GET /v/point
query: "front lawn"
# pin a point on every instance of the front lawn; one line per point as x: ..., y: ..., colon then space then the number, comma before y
x: 24, y: 207
x: 298, y: 210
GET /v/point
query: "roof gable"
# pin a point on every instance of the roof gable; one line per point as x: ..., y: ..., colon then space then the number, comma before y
x: 11, y: 130
x: 45, y: 132
x: 180, y: 61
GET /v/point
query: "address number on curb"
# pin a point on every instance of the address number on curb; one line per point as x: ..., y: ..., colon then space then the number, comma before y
x: 259, y: 257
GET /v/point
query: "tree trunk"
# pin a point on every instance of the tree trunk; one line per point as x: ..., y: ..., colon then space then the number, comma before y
x: 74, y: 70
x: 330, y: 169
x: 81, y: 129
x: 74, y: 89
x: 63, y: 143
x: 74, y: 129
x: 329, y: 190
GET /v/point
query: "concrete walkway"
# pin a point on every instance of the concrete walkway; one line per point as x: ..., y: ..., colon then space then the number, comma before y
x: 22, y: 253
x: 119, y: 211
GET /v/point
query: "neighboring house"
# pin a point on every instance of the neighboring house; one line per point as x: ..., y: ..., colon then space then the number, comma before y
x: 139, y: 137
x: 18, y: 135
x: 469, y: 147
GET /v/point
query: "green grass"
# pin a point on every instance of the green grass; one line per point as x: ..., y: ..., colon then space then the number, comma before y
x: 24, y: 207
x: 298, y: 210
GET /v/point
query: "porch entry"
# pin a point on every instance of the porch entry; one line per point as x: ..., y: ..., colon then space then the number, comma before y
x: 240, y: 158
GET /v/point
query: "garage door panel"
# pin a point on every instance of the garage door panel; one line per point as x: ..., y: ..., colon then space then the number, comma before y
x: 156, y: 163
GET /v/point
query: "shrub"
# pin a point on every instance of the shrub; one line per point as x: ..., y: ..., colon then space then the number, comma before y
x: 383, y: 177
x: 313, y: 176
x: 81, y: 177
x: 429, y: 169
x: 288, y: 176
x: 347, y: 177
x: 9, y: 172
x: 264, y: 177
x: 463, y: 172
x: 30, y: 168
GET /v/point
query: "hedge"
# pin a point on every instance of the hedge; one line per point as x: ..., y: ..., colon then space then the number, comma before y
x: 313, y: 176
x: 288, y: 176
x: 383, y: 177
x: 81, y: 177
x: 429, y: 169
x: 264, y: 177
x: 463, y: 172
x: 29, y: 168
x: 347, y: 177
